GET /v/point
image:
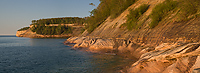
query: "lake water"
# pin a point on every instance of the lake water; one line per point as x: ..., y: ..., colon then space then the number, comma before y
x: 19, y: 55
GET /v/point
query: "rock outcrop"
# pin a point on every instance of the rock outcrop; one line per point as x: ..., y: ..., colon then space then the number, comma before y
x: 91, y: 43
x: 165, y: 58
x: 114, y: 45
x: 169, y: 58
x: 20, y: 33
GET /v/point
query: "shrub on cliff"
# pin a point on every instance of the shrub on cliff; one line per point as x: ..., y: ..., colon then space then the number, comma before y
x: 133, y: 16
x: 105, y: 9
x: 24, y: 28
x: 188, y: 8
x: 160, y: 11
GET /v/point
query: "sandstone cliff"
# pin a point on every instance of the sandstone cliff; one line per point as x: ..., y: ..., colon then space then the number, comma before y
x: 165, y: 58
x: 169, y: 58
x: 171, y: 47
x: 170, y: 29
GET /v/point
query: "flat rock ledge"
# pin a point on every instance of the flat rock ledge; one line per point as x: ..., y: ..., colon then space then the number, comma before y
x: 165, y: 58
x: 94, y: 44
x: 110, y: 45
x: 169, y: 58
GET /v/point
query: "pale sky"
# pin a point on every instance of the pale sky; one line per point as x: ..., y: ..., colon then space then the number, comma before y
x: 15, y: 14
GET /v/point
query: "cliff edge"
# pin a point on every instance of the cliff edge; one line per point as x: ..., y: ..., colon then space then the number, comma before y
x: 170, y: 46
x: 29, y: 34
x: 169, y: 29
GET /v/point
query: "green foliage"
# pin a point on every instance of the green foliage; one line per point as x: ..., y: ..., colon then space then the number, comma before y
x: 188, y: 7
x: 25, y: 28
x: 118, y: 6
x: 67, y: 30
x: 92, y: 27
x: 39, y: 26
x: 160, y: 11
x: 33, y: 28
x: 52, y: 30
x: 82, y: 30
x: 64, y: 20
x: 134, y: 15
x: 105, y: 9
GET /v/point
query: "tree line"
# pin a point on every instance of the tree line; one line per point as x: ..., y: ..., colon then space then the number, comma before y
x: 63, y: 20
x: 52, y: 30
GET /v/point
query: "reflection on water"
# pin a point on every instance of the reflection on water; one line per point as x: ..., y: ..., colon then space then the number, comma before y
x: 109, y: 63
x: 20, y: 55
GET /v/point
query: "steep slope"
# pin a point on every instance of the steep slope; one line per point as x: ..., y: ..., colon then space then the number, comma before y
x: 168, y: 30
x: 112, y: 26
x: 172, y: 46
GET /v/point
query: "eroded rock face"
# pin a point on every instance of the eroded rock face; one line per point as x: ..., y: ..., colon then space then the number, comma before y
x: 165, y: 58
x: 120, y: 46
x: 91, y: 43
x: 19, y: 33
x: 169, y: 58
x: 103, y: 43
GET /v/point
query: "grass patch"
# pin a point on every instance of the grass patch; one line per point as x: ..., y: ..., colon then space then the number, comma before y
x: 160, y: 11
x: 188, y: 8
x: 25, y: 28
x: 133, y: 16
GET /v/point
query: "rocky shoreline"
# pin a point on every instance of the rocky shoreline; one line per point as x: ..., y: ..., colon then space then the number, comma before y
x: 172, y: 46
x: 167, y: 57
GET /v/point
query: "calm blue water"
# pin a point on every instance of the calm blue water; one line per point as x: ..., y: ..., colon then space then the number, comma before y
x: 19, y: 55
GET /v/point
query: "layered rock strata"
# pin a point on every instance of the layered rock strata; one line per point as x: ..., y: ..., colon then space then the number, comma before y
x: 169, y: 58
x: 165, y: 58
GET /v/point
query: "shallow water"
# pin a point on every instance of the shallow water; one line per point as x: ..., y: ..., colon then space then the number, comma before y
x: 19, y: 55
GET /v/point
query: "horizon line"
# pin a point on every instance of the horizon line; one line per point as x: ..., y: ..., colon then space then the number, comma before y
x: 7, y: 34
